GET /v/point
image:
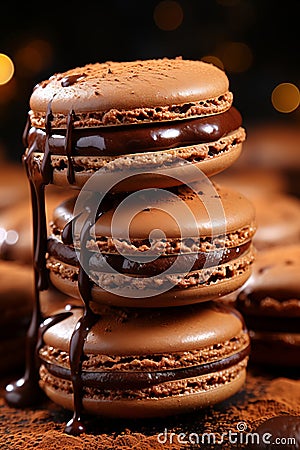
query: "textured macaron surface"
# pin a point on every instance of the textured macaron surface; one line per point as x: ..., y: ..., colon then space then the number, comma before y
x: 182, y: 213
x: 136, y: 341
x: 142, y: 332
x: 163, y: 114
x: 137, y: 363
x: 192, y: 241
x: 127, y: 86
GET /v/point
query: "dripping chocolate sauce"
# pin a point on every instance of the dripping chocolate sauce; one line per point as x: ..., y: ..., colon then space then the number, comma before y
x: 85, y: 323
x: 26, y: 391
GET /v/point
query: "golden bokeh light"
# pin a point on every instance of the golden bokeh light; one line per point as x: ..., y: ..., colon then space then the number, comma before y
x: 6, y: 68
x: 168, y: 15
x: 213, y: 60
x: 236, y: 56
x: 35, y: 56
x: 285, y: 97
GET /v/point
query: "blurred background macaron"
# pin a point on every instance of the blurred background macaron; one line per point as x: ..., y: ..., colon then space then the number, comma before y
x: 15, y: 212
x: 277, y: 212
x: 252, y: 181
x: 278, y: 220
x: 270, y: 304
x: 16, y: 304
x: 14, y: 186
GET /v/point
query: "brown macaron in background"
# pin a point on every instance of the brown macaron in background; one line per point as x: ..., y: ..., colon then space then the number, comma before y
x: 144, y: 116
x: 150, y: 363
x: 270, y: 304
x: 13, y: 185
x: 277, y: 212
x: 253, y: 182
x: 16, y: 236
x: 16, y: 303
x: 278, y: 220
x: 273, y: 146
x: 202, y: 250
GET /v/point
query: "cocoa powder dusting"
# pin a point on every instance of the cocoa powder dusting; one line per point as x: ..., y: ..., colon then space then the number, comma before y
x: 265, y: 395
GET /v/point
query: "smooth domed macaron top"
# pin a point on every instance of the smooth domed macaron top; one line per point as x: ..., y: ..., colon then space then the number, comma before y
x: 128, y: 85
x: 186, y: 213
x: 142, y: 332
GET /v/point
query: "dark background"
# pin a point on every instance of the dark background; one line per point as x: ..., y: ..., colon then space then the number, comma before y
x: 42, y: 39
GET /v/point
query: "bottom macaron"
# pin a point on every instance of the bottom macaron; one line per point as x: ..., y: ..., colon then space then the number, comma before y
x: 270, y: 304
x: 141, y: 363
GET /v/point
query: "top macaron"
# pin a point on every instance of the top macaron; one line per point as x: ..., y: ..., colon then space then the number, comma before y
x: 115, y: 93
x: 149, y: 115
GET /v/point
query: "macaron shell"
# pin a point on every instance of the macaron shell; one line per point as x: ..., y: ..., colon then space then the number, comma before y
x: 129, y: 85
x: 174, y: 297
x: 277, y: 349
x: 212, y: 211
x: 152, y: 177
x: 118, y: 332
x: 279, y: 224
x: 177, y: 404
x: 275, y: 280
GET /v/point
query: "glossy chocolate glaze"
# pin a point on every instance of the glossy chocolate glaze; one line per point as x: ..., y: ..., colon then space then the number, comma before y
x: 119, y: 140
x: 72, y: 79
x: 26, y: 391
x: 125, y: 265
x: 139, y: 379
x: 83, y: 327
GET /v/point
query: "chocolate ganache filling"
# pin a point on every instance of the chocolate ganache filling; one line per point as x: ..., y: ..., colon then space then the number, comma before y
x: 119, y: 140
x: 101, y: 261
x: 139, y: 380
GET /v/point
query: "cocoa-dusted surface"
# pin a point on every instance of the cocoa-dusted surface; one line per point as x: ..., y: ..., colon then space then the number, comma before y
x: 113, y: 92
x: 230, y: 210
x: 265, y: 395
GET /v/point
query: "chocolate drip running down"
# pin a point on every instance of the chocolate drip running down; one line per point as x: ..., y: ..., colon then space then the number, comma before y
x: 84, y: 325
x: 26, y: 391
x: 68, y: 147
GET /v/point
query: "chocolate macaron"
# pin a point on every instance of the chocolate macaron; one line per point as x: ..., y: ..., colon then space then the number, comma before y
x: 156, y: 248
x: 141, y: 363
x: 16, y: 302
x: 278, y: 225
x: 137, y: 118
x: 270, y: 304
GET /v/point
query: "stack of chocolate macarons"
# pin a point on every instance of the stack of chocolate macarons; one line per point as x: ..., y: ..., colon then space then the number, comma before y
x: 147, y: 242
